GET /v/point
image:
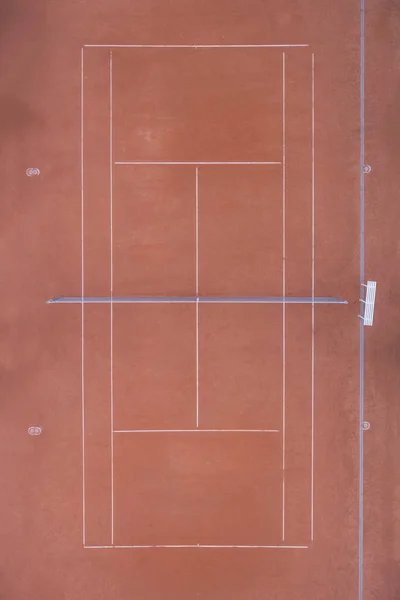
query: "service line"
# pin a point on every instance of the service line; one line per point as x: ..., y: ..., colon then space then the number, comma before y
x: 197, y: 430
x: 196, y: 546
x: 175, y: 162
x: 196, y: 46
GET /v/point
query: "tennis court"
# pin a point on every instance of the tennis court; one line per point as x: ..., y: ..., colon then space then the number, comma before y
x: 197, y: 215
x: 211, y: 226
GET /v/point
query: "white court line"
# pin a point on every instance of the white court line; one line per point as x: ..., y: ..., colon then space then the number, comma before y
x: 197, y: 296
x: 111, y: 304
x: 196, y: 45
x: 283, y: 287
x: 312, y: 285
x: 197, y: 546
x: 196, y: 431
x: 82, y: 319
x: 143, y: 162
x: 197, y: 233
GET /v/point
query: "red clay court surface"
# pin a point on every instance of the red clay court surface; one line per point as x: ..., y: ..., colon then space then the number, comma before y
x: 193, y: 450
